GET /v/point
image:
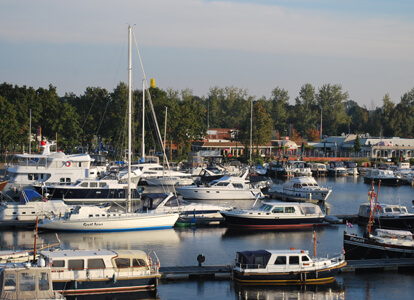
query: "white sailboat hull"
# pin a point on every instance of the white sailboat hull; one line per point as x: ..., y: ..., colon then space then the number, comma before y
x: 124, y: 222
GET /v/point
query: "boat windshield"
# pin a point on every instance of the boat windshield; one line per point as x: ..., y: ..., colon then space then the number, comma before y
x: 265, y: 207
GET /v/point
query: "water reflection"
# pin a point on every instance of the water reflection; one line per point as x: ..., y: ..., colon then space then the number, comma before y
x: 334, y: 290
x: 141, y: 295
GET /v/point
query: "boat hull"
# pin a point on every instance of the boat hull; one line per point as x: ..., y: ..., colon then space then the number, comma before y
x: 321, y: 276
x: 235, y: 221
x: 90, y: 195
x: 214, y: 194
x: 392, y: 222
x: 106, y: 285
x: 356, y: 248
x: 384, y: 181
x: 149, y: 222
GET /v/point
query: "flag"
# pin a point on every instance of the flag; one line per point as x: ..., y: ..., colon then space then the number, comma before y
x: 57, y: 238
x: 349, y: 224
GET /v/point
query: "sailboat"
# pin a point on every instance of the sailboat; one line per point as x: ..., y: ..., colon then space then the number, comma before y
x: 383, y: 244
x: 91, y: 218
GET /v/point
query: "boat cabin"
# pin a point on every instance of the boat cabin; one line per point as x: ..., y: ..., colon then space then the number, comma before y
x: 383, y: 210
x: 24, y: 281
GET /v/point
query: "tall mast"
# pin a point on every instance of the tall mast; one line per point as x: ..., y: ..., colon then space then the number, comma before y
x: 143, y: 120
x: 129, y: 115
x: 251, y: 129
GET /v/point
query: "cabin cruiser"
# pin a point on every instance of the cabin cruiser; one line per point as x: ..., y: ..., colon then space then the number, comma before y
x: 93, y: 191
x: 304, y: 188
x: 25, y: 170
x: 285, y: 267
x: 336, y: 169
x: 276, y: 215
x: 27, y: 281
x: 86, y: 272
x: 225, y: 188
x: 30, y: 208
x: 156, y: 171
x: 318, y: 169
x: 386, y: 177
x: 299, y: 168
x: 351, y: 168
x: 387, y: 216
x: 164, y: 203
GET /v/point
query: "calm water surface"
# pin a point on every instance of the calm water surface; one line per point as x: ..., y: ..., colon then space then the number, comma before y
x: 181, y: 246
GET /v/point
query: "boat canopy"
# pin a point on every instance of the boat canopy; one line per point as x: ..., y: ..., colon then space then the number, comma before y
x: 252, y: 259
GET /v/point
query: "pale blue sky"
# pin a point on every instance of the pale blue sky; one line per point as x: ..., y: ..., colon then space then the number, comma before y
x: 366, y: 46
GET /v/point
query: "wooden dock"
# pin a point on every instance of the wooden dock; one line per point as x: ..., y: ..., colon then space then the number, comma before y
x: 378, y: 264
x: 193, y: 272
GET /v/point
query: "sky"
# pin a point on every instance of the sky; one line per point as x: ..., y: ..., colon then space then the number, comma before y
x: 366, y: 46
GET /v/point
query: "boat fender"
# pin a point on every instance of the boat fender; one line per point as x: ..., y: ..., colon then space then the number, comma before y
x: 68, y: 164
x: 114, y: 278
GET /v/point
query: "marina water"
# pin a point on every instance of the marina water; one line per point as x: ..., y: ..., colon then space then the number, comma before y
x: 181, y: 246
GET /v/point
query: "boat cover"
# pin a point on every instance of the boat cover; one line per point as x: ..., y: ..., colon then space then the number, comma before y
x: 253, y: 258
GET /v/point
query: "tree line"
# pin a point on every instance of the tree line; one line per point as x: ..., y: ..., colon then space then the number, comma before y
x: 98, y: 113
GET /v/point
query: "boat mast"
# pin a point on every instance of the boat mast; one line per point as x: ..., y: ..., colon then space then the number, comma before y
x: 143, y: 122
x: 165, y: 141
x: 129, y: 115
x: 251, y: 129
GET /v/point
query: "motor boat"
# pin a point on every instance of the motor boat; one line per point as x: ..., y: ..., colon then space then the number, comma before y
x: 276, y: 215
x: 225, y: 188
x: 165, y: 203
x: 30, y: 208
x: 304, y: 187
x: 285, y: 267
x: 87, y: 272
x: 387, y: 216
x: 336, y: 169
x: 27, y: 281
x: 387, y: 177
x: 351, y: 168
x: 25, y: 170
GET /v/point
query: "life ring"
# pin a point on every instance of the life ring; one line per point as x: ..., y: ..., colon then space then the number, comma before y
x: 68, y: 164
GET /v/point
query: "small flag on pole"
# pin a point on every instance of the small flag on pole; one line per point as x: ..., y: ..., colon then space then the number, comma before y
x: 57, y: 238
x: 349, y: 225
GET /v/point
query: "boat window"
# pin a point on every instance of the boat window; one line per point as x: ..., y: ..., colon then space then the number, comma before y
x: 58, y: 263
x: 75, y: 264
x: 238, y: 185
x: 84, y: 184
x: 138, y: 262
x: 44, y: 281
x: 122, y: 262
x: 293, y: 260
x: 277, y: 210
x: 305, y: 258
x: 222, y: 184
x: 27, y: 282
x: 280, y: 260
x: 309, y: 209
x: 305, y: 184
x: 10, y: 282
x: 96, y: 263
x: 102, y: 184
x: 388, y: 209
x: 265, y: 207
x: 32, y: 176
x: 289, y: 210
x: 396, y: 209
x: 403, y: 210
x: 93, y: 184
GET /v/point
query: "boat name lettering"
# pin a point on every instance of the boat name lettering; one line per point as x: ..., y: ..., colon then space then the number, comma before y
x: 356, y: 239
x: 92, y: 224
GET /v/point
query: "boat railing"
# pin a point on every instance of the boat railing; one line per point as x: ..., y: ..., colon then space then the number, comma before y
x: 249, y: 266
